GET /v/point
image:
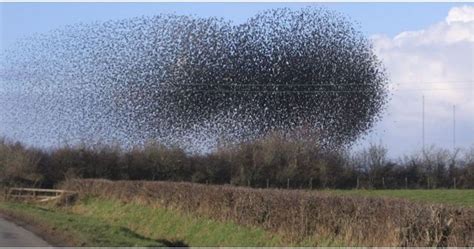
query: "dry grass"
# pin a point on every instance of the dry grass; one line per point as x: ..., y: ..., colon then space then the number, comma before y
x: 299, y: 215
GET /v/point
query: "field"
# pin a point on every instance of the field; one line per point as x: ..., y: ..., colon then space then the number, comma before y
x: 460, y: 197
x: 141, y: 213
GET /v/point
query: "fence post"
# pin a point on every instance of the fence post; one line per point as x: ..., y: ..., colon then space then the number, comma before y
x: 288, y: 183
x: 311, y: 183
x: 248, y: 183
x: 454, y: 182
x: 357, y: 187
x: 383, y: 182
x: 9, y: 192
x: 268, y: 183
x: 428, y: 183
x: 406, y: 182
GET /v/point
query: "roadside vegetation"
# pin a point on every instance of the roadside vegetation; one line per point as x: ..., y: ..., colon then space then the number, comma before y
x: 73, y: 229
x: 300, y: 217
x: 95, y: 222
x: 154, y: 213
x: 237, y: 195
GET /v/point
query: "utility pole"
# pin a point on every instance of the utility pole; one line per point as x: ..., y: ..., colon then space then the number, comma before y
x: 423, y: 125
x: 454, y: 140
x: 454, y: 128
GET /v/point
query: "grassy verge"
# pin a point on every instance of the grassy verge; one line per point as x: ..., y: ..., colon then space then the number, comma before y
x: 441, y: 196
x: 184, y: 229
x: 94, y: 222
x: 106, y: 222
x: 81, y: 231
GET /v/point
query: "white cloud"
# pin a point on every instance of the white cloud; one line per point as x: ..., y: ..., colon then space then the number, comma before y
x: 461, y: 14
x: 440, y: 60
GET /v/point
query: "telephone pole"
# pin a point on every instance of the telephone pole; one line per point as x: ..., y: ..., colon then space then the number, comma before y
x: 423, y: 124
x: 454, y: 128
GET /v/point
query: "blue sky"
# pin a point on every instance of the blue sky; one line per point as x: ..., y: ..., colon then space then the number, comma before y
x: 21, y: 19
x: 423, y: 46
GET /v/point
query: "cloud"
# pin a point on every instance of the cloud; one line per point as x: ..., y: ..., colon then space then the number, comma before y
x: 436, y: 62
x: 460, y: 14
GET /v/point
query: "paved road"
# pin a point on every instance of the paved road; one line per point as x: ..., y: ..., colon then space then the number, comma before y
x: 14, y: 235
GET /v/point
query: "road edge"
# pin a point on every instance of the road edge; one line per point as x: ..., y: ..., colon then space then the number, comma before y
x: 46, y: 232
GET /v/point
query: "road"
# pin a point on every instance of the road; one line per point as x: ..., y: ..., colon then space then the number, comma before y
x: 13, y: 235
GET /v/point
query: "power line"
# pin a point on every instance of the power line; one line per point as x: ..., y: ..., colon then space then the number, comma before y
x: 296, y: 91
x: 433, y: 89
x: 310, y: 85
x: 436, y: 82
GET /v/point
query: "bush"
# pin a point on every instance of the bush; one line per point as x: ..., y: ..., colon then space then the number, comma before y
x: 300, y: 214
x: 19, y: 165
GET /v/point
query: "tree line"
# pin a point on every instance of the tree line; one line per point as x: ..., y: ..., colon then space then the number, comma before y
x: 276, y: 161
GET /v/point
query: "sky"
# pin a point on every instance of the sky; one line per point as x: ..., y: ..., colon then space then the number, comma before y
x: 21, y: 19
x: 427, y: 49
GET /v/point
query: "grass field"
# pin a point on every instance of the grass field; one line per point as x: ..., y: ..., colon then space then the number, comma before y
x: 441, y: 196
x: 94, y: 222
x: 104, y: 221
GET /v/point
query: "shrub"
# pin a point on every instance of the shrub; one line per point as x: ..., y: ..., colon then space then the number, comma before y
x: 19, y: 165
x: 301, y: 214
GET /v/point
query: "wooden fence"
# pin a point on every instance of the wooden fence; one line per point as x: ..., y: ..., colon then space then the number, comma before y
x: 36, y: 194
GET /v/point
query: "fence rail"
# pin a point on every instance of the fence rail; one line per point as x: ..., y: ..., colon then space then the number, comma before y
x: 36, y: 194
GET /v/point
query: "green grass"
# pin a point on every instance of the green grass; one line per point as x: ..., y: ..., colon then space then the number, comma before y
x: 85, y: 231
x: 175, y: 226
x: 442, y: 196
x: 98, y: 222
x: 94, y: 222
